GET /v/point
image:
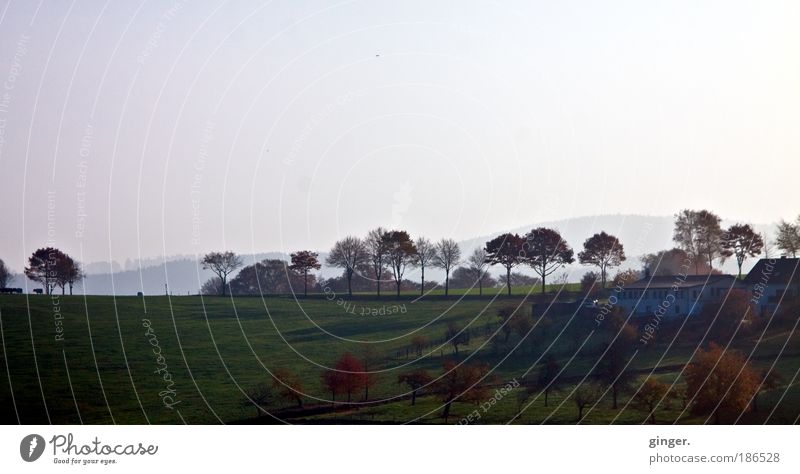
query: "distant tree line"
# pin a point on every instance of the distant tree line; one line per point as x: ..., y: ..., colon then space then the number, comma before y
x: 380, y: 260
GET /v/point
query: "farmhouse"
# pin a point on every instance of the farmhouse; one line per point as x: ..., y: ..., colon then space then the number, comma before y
x: 773, y: 280
x: 770, y: 283
x: 674, y: 295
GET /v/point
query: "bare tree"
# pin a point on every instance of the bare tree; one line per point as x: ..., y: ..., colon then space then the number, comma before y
x: 478, y: 265
x: 376, y: 249
x: 348, y: 253
x: 426, y: 253
x: 222, y: 264
x: 448, y: 254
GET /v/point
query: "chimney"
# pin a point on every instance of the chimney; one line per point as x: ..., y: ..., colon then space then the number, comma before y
x: 647, y: 272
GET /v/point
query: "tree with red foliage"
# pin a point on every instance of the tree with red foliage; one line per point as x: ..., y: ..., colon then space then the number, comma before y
x: 347, y: 376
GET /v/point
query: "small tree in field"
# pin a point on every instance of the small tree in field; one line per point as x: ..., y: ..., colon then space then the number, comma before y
x: 741, y: 241
x: 461, y: 382
x: 506, y: 250
x: 222, y: 264
x: 415, y: 380
x: 651, y: 393
x: 351, y: 376
x: 305, y: 261
x: 603, y: 251
x: 547, y: 380
x: 587, y: 393
x: 258, y: 396
x: 288, y: 386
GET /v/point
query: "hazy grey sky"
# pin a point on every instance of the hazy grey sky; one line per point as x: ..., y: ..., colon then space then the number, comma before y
x: 177, y: 127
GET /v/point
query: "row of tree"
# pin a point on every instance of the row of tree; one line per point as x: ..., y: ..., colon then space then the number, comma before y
x: 698, y: 234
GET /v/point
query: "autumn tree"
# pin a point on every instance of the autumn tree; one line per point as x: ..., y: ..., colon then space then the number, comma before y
x: 461, y: 382
x: 447, y: 256
x: 222, y: 264
x: 303, y: 262
x: 376, y: 249
x: 603, y: 251
x: 351, y: 374
x: 741, y: 241
x: 348, y: 254
x: 587, y: 393
x: 415, y: 380
x: 425, y: 257
x: 477, y: 266
x: 720, y: 383
x: 650, y: 394
x: 545, y: 251
x: 288, y: 386
x: 699, y: 233
x: 788, y: 237
x: 505, y: 250
x: 400, y: 252
x: 43, y: 266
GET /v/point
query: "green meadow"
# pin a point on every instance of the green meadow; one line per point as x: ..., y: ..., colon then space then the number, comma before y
x: 95, y: 359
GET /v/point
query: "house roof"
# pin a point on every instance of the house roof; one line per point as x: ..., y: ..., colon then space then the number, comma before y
x: 688, y: 281
x: 776, y: 270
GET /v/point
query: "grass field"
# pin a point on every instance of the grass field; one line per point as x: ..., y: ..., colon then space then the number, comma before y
x: 95, y: 360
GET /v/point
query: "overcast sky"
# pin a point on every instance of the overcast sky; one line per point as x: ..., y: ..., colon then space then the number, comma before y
x: 157, y: 127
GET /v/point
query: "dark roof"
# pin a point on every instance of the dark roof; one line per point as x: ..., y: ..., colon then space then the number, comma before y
x: 688, y: 281
x: 783, y: 270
